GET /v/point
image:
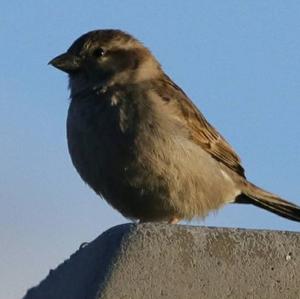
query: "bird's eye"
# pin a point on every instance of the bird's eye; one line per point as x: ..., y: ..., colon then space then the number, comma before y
x: 98, y: 52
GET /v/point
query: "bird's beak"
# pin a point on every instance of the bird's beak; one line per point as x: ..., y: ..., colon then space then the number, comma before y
x: 66, y: 62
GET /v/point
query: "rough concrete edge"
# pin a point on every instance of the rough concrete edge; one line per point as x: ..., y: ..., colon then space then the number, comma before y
x: 116, y: 244
x: 122, y: 234
x: 160, y: 231
x: 114, y: 255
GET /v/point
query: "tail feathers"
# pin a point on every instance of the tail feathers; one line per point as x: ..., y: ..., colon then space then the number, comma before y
x: 270, y: 202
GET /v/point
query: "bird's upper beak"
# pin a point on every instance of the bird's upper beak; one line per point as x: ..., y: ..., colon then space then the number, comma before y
x: 66, y: 62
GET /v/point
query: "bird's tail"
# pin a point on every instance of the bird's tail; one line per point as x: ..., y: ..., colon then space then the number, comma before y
x: 268, y: 201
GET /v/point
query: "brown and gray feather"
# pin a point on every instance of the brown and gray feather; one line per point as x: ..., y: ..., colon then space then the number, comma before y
x: 137, y: 139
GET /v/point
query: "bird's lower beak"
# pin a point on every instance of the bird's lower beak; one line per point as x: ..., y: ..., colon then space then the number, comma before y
x: 66, y: 62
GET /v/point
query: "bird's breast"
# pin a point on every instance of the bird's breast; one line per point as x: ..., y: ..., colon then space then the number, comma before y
x: 98, y: 146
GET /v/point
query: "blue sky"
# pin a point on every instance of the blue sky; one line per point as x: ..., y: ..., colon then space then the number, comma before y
x: 238, y: 60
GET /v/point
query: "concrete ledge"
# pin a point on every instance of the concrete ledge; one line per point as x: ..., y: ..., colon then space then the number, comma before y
x: 175, y: 261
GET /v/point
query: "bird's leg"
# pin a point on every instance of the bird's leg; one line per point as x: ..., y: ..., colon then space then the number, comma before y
x: 174, y: 220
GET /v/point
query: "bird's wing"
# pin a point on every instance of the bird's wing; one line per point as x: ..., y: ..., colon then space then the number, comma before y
x: 200, y: 130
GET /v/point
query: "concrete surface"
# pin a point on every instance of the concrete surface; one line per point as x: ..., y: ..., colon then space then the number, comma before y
x: 175, y: 261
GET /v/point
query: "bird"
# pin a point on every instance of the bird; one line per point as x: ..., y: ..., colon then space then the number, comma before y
x: 139, y: 142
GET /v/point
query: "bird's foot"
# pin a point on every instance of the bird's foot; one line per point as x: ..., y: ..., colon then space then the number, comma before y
x: 173, y: 220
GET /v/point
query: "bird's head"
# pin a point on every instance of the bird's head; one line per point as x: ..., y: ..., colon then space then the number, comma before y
x: 106, y: 57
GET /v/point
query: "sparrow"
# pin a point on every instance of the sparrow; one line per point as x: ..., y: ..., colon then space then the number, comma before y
x: 139, y: 142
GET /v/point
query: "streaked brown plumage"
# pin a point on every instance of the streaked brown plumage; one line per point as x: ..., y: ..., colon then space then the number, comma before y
x: 136, y: 138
